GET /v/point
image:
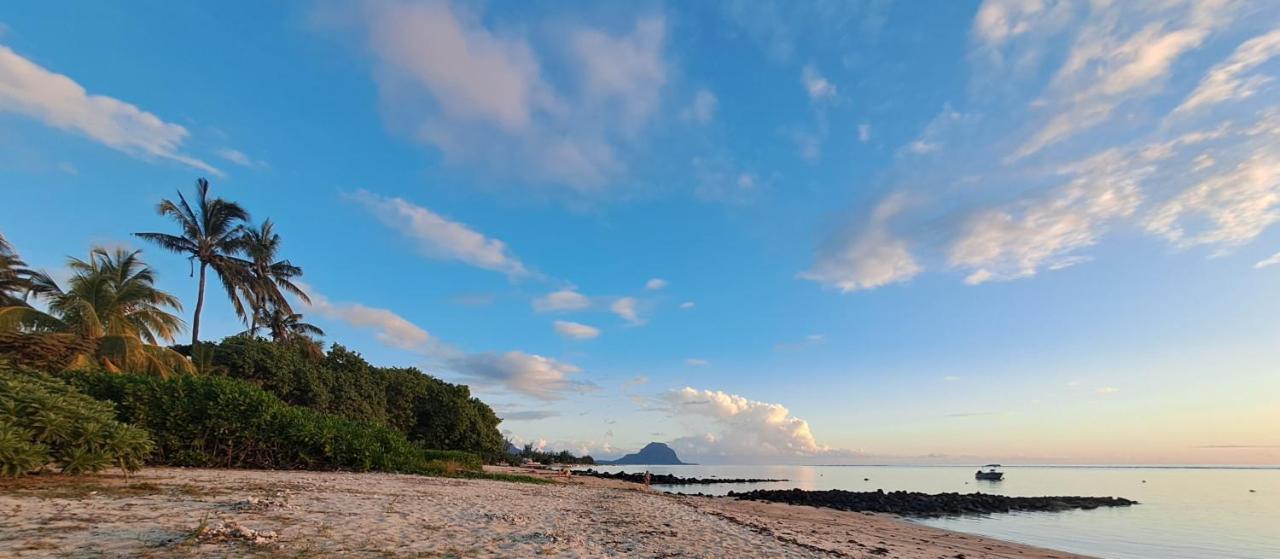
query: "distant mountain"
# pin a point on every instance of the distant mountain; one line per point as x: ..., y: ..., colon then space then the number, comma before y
x: 653, y: 454
x: 513, y: 449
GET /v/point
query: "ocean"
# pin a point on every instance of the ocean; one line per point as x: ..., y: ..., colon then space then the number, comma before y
x: 1185, y: 512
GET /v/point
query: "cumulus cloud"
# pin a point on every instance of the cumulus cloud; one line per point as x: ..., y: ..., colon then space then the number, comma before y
x: 739, y: 427
x: 575, y: 330
x: 531, y: 375
x: 562, y: 300
x: 438, y: 237
x: 655, y: 284
x: 479, y: 93
x: 28, y: 89
x: 625, y: 307
x: 867, y: 258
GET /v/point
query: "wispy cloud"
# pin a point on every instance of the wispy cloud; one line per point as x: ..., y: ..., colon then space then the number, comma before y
x: 576, y: 330
x: 625, y: 307
x: 562, y: 300
x: 481, y: 96
x: 869, y: 258
x: 57, y: 100
x: 540, y: 377
x: 439, y: 237
x: 695, y: 362
x: 241, y: 158
x: 655, y: 284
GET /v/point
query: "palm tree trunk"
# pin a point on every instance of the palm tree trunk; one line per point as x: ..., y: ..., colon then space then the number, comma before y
x: 195, y: 323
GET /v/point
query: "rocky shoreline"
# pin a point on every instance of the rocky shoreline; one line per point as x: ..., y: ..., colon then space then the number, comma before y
x: 668, y: 479
x: 907, y: 503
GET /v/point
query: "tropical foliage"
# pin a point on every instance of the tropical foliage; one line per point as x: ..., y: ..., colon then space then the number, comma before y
x: 15, y: 277
x: 43, y: 421
x: 112, y: 304
x: 430, y: 411
x: 210, y: 421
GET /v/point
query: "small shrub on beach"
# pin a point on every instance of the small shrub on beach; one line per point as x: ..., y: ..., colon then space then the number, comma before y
x: 44, y: 421
x: 219, y: 422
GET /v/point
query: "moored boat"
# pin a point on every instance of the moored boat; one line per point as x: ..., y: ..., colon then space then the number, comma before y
x: 991, y: 473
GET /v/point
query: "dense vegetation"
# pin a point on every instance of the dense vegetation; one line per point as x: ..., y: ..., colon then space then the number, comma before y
x: 278, y: 401
x: 516, y: 456
x: 44, y: 421
x: 426, y: 409
x: 210, y: 421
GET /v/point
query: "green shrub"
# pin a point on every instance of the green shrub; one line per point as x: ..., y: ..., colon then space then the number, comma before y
x: 426, y: 409
x: 45, y: 421
x: 219, y: 422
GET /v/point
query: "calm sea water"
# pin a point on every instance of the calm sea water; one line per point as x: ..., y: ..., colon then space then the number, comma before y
x: 1185, y: 513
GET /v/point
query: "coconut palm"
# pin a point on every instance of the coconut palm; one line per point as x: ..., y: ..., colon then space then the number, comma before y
x: 15, y: 277
x: 213, y: 235
x: 112, y: 305
x: 268, y: 278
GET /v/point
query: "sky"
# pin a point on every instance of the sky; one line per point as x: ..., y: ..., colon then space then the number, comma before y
x: 762, y: 232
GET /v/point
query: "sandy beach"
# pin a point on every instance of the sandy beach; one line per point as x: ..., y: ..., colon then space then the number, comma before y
x: 170, y: 512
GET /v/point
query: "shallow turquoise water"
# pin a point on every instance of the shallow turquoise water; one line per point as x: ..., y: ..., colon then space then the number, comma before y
x: 1185, y: 513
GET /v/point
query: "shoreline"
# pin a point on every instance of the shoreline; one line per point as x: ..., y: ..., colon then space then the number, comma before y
x: 178, y: 512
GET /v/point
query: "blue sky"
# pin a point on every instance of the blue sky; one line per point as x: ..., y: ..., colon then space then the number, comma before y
x: 767, y: 231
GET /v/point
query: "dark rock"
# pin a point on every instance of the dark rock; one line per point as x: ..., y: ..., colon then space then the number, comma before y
x: 656, y: 454
x: 668, y: 479
x: 924, y: 504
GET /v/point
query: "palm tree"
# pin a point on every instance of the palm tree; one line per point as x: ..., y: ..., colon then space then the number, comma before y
x: 268, y: 278
x: 286, y: 326
x: 213, y: 234
x: 112, y: 303
x: 15, y: 277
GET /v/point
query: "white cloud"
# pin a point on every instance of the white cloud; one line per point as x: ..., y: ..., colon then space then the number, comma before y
x: 479, y: 92
x: 703, y: 108
x: 1009, y: 243
x: 655, y: 284
x: 391, y: 328
x: 627, y: 70
x: 576, y: 330
x: 531, y: 375
x: 438, y: 237
x: 817, y: 86
x: 1230, y: 80
x: 1230, y: 208
x: 866, y: 259
x: 241, y: 158
x: 625, y: 307
x: 738, y: 427
x: 693, y: 362
x: 55, y: 99
x: 1122, y: 52
x: 562, y: 300
x: 1268, y: 261
x: 864, y: 133
x: 687, y: 305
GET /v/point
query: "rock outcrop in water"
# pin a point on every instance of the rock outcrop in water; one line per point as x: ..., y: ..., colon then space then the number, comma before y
x: 924, y: 505
x: 668, y: 479
x: 656, y: 454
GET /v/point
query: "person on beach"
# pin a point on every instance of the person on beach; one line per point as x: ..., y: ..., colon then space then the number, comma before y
x: 648, y: 478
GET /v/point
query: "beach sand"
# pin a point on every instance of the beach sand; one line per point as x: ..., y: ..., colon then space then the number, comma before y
x: 174, y: 512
